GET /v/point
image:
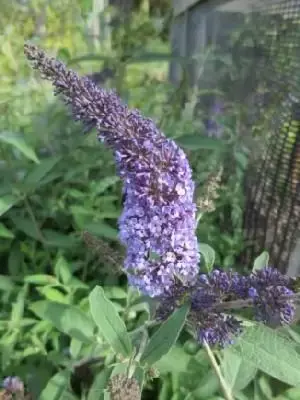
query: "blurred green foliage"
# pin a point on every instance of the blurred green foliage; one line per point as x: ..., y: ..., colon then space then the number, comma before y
x: 56, y: 184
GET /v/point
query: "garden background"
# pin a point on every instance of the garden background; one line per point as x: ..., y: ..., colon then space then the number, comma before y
x: 60, y: 200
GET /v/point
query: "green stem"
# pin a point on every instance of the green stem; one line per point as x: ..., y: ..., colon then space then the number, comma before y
x: 226, y: 390
x: 198, y: 217
x: 142, y: 344
x: 239, y: 304
x: 148, y: 324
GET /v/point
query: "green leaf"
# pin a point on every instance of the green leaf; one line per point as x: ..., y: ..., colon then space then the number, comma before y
x: 5, y: 233
x: 109, y: 322
x: 19, y: 143
x: 101, y: 229
x: 209, y: 255
x: 75, y: 348
x: 262, y: 389
x: 76, y: 284
x: 267, y: 350
x: 166, y: 390
x: 207, y: 386
x: 53, y: 294
x: 96, y: 391
x: 5, y: 187
x: 290, y: 394
x: 63, y: 54
x: 107, y: 395
x: 18, y: 307
x: 165, y: 337
x: 27, y: 226
x: 6, y: 203
x: 196, y: 142
x: 262, y: 261
x: 40, y: 171
x: 86, y: 6
x: 139, y: 375
x: 62, y: 271
x: 56, y: 387
x: 120, y: 368
x: 241, y: 159
x: 6, y: 283
x: 105, y: 183
x: 176, y: 360
x: 58, y: 239
x: 8, y: 343
x: 41, y: 279
x: 293, y: 334
x: 66, y: 318
x: 115, y: 292
x: 15, y: 260
x: 237, y: 372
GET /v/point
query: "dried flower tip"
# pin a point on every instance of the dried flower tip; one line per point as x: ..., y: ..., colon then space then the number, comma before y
x: 122, y: 388
x: 105, y: 253
x: 5, y: 395
x: 206, y: 202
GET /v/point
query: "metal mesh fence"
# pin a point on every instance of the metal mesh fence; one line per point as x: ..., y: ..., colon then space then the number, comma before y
x: 256, y: 66
x: 272, y: 214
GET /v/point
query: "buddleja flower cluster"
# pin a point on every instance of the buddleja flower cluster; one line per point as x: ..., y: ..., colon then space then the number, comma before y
x: 158, y: 222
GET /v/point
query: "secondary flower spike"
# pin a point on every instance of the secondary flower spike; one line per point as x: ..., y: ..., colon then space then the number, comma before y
x: 266, y: 291
x: 158, y: 222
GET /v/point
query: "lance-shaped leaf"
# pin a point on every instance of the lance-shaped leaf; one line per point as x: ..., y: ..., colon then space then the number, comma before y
x: 208, y: 254
x: 19, y: 143
x: 109, y: 322
x: 165, y: 337
x: 66, y: 318
x: 272, y: 353
x: 57, y: 386
x: 237, y: 372
x: 261, y: 261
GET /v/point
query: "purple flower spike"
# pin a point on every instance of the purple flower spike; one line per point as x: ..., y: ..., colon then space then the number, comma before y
x: 266, y: 291
x: 159, y: 217
x: 272, y: 298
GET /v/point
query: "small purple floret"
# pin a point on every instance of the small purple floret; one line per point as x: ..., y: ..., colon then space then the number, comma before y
x: 218, y: 329
x: 252, y: 292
